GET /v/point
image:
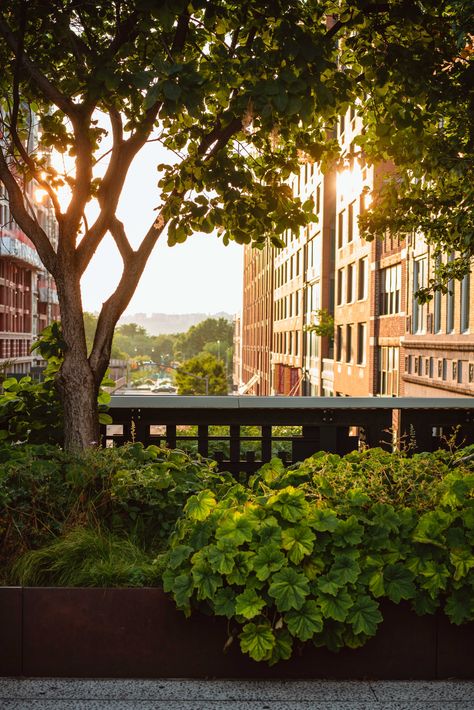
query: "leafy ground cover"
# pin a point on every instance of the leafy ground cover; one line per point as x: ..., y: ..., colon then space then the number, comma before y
x: 308, y: 553
x: 293, y: 555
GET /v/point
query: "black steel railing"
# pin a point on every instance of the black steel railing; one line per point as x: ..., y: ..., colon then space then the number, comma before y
x: 241, y: 433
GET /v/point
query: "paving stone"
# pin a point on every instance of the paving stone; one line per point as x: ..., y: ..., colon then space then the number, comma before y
x: 221, y: 705
x: 187, y: 690
x: 428, y: 691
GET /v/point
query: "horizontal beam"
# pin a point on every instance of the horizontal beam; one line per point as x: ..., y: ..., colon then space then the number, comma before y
x: 231, y: 403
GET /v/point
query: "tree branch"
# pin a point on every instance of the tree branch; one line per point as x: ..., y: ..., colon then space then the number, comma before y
x: 117, y: 230
x: 113, y: 308
x: 26, y: 222
x: 123, y: 153
x: 48, y: 89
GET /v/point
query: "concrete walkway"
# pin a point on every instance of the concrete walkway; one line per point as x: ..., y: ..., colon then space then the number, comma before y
x: 52, y: 694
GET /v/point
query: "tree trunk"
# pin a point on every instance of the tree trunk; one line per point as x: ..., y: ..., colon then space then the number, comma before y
x: 78, y: 391
x: 77, y: 384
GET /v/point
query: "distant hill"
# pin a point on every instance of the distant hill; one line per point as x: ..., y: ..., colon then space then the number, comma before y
x: 163, y: 323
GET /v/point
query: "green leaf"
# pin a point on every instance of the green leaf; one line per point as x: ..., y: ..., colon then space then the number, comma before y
x: 182, y: 590
x: 434, y: 577
x: 249, y: 604
x: 323, y: 520
x: 398, y: 583
x: 171, y: 91
x: 460, y: 606
x: 365, y: 616
x: 221, y: 559
x: 336, y: 607
x: 345, y: 569
x: 105, y: 418
x: 257, y: 640
x: 289, y: 588
x: 235, y: 528
x: 348, y: 532
x: 283, y: 647
x: 299, y: 542
x: 200, y: 506
x: 224, y: 602
x: 242, y: 568
x: 463, y: 561
x: 268, y: 559
x: 205, y: 581
x: 178, y: 555
x: 305, y: 622
x: 290, y: 503
x: 431, y: 527
x: 376, y: 584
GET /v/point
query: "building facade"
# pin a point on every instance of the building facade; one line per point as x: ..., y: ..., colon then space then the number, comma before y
x: 257, y: 321
x: 385, y: 342
x: 439, y: 338
x: 28, y: 297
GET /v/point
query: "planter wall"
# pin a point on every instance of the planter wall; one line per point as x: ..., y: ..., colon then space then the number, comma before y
x: 138, y: 633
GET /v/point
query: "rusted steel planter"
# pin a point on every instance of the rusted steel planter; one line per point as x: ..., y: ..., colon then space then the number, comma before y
x: 138, y: 633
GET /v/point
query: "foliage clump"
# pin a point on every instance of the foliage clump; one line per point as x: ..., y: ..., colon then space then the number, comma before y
x: 293, y: 555
x: 309, y: 552
x: 130, y: 492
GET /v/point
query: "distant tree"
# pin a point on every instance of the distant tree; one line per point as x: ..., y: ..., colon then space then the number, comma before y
x: 90, y: 325
x: 131, y: 330
x: 208, y: 331
x: 191, y: 375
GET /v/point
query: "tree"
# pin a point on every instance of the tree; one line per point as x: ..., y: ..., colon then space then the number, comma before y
x: 210, y: 330
x: 236, y: 90
x: 415, y: 65
x: 192, y: 375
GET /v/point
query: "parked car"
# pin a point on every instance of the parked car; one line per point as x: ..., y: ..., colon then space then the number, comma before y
x: 166, y: 388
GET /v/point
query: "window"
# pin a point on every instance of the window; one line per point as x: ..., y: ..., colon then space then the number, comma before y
x: 390, y: 284
x: 361, y: 329
x: 362, y: 278
x: 465, y: 289
x: 317, y: 199
x: 419, y: 281
x: 431, y: 367
x: 350, y: 283
x: 340, y: 229
x: 339, y: 343
x: 388, y: 359
x: 297, y: 343
x: 350, y: 222
x: 349, y: 343
x: 342, y: 123
x: 437, y: 312
x: 450, y: 303
x: 340, y: 286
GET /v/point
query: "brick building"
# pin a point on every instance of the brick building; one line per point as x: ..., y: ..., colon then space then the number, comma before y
x: 439, y: 339
x: 257, y: 320
x: 385, y: 342
x: 28, y: 297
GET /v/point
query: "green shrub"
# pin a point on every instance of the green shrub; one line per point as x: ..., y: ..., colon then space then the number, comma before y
x: 31, y: 411
x: 308, y: 553
x: 131, y: 491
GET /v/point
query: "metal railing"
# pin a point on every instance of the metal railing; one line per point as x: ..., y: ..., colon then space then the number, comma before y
x: 241, y: 433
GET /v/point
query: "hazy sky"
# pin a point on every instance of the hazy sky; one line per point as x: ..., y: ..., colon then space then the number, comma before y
x: 201, y: 275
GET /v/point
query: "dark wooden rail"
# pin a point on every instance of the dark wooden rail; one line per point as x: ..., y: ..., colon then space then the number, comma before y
x: 241, y: 433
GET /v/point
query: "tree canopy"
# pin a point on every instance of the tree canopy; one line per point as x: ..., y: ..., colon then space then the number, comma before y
x: 238, y: 92
x: 208, y: 331
x: 202, y: 374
